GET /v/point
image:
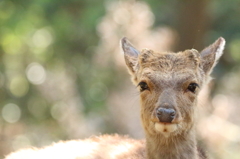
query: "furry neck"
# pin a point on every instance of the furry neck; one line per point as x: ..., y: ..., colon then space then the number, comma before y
x: 182, y: 146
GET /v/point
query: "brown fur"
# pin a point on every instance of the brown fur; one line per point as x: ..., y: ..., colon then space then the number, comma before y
x: 168, y: 76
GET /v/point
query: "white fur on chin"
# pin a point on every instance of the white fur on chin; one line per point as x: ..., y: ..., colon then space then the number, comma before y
x: 165, y: 129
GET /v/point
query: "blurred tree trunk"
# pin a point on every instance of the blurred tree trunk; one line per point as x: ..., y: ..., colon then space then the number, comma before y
x: 192, y: 24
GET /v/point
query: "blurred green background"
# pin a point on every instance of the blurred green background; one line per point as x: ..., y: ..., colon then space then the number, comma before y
x: 62, y: 74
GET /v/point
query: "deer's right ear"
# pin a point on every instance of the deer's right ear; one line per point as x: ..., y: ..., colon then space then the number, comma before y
x: 130, y: 55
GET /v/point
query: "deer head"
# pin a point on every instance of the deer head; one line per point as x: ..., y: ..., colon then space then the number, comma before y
x: 169, y: 84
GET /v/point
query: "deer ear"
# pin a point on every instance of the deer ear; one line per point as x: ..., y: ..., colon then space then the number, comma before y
x: 130, y: 55
x: 211, y: 55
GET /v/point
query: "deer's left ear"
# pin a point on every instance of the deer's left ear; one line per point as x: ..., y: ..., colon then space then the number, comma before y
x: 211, y: 55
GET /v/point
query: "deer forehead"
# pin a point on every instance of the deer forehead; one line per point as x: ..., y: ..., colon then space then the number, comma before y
x: 168, y: 62
x: 169, y: 68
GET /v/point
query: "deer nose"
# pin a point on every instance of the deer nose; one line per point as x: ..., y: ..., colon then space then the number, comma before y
x: 165, y: 115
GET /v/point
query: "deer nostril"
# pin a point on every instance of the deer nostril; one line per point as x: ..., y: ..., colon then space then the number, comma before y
x: 159, y: 111
x: 166, y: 114
x: 172, y: 113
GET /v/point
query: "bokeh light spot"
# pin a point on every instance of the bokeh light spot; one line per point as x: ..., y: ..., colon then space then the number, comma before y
x: 11, y: 113
x: 12, y: 44
x: 19, y: 86
x: 42, y: 38
x: 36, y: 73
x: 57, y: 110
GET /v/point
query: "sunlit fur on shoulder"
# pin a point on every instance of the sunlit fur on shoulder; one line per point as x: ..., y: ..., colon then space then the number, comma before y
x: 97, y: 147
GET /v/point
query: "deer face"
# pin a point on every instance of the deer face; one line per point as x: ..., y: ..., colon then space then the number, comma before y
x: 169, y: 84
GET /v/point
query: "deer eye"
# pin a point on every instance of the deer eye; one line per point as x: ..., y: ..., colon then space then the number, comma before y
x: 143, y: 86
x: 192, y: 87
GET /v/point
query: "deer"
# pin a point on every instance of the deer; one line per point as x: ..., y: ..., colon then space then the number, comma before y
x: 168, y: 85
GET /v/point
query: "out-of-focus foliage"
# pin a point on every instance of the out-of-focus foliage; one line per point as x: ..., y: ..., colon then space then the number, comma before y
x: 46, y: 50
x: 61, y: 71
